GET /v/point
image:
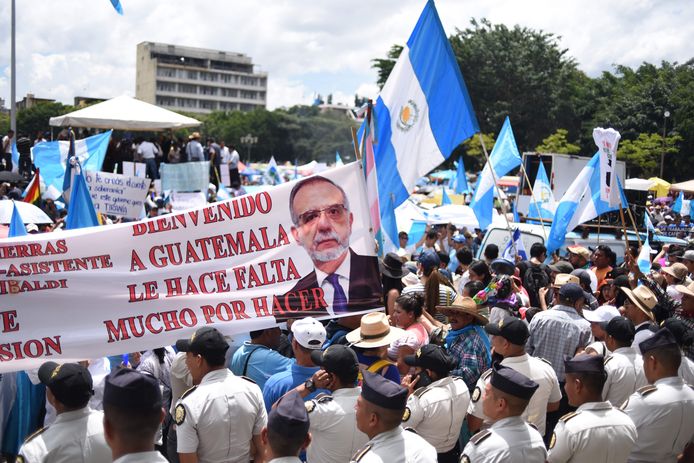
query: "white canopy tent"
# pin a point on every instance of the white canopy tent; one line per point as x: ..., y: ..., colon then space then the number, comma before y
x: 639, y: 184
x: 125, y: 113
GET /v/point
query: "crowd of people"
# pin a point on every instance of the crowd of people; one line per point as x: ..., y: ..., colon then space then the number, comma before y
x: 579, y: 359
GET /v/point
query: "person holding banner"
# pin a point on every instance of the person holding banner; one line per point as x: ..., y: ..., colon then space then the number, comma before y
x: 322, y: 225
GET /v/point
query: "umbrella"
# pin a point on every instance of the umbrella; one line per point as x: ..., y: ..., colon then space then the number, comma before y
x: 29, y: 212
x: 661, y: 187
x: 687, y: 186
x: 12, y: 177
x: 663, y: 200
x: 638, y: 184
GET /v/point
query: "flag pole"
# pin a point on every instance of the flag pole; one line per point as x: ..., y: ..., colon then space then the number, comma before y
x: 491, y: 168
x: 599, y: 229
x: 624, y: 227
x: 633, y: 223
x: 532, y: 195
x: 357, y: 153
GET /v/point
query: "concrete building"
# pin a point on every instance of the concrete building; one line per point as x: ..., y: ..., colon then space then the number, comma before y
x: 29, y: 101
x: 198, y: 80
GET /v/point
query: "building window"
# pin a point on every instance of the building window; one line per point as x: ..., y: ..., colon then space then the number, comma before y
x: 187, y: 88
x: 165, y: 101
x: 230, y: 92
x: 207, y: 104
x: 207, y: 90
x: 192, y: 75
x: 166, y: 72
x: 185, y: 103
x: 166, y: 86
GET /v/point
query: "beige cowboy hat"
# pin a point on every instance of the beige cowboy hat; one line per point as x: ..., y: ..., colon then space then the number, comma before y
x: 374, y: 331
x: 677, y: 270
x: 688, y: 290
x: 563, y: 278
x: 194, y: 135
x: 642, y: 298
x: 464, y: 305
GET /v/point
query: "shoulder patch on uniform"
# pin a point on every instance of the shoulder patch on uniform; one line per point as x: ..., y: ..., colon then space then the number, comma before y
x: 19, y: 459
x: 645, y: 390
x: 406, y: 414
x: 310, y: 405
x: 568, y: 416
x: 249, y: 379
x: 480, y: 436
x: 544, y: 360
x: 188, y: 392
x: 486, y: 374
x: 553, y: 440
x: 607, y: 359
x: 360, y: 453
x: 323, y: 398
x: 36, y: 433
x: 179, y: 414
x: 476, y: 394
x: 464, y: 459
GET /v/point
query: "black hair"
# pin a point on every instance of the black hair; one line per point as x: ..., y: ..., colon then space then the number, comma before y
x: 537, y: 249
x: 432, y: 235
x: 464, y: 256
x: 491, y: 251
x: 444, y: 257
x: 473, y: 287
x: 133, y: 425
x: 284, y: 446
x: 411, y: 303
x: 482, y: 269
x: 594, y: 382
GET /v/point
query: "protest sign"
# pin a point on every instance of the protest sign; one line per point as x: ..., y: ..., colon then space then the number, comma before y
x: 182, y: 201
x: 607, y: 141
x: 135, y: 169
x: 188, y: 176
x: 238, y: 265
x: 116, y: 194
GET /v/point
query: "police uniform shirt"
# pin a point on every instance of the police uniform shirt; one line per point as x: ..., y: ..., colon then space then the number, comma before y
x: 218, y: 419
x: 509, y: 440
x: 142, y: 457
x: 437, y: 412
x: 595, y: 433
x: 335, y: 437
x: 76, y: 436
x: 285, y: 460
x: 396, y: 446
x: 621, y: 376
x: 663, y: 414
x: 686, y: 371
x: 538, y: 370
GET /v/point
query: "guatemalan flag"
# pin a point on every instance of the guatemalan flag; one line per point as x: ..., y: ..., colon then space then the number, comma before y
x: 580, y: 203
x: 51, y: 157
x: 422, y: 114
x: 644, y: 258
x: 542, y: 204
x: 504, y: 158
x: 515, y: 248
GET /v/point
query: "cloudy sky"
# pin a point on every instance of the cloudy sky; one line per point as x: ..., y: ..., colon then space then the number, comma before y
x: 83, y: 47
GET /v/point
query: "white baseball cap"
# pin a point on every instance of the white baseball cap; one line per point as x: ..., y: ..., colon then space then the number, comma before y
x: 602, y: 314
x: 309, y: 333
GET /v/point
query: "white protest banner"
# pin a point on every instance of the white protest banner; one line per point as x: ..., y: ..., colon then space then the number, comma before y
x: 238, y: 265
x: 182, y: 201
x: 116, y: 194
x: 224, y: 172
x: 134, y: 169
x: 607, y: 141
x: 187, y: 176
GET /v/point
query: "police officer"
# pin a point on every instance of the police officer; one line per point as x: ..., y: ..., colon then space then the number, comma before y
x: 77, y: 434
x: 217, y: 419
x: 132, y: 416
x: 437, y: 402
x: 596, y: 432
x: 624, y: 366
x: 287, y: 430
x: 508, y: 337
x: 379, y: 412
x: 662, y: 411
x: 510, y: 439
x: 334, y: 437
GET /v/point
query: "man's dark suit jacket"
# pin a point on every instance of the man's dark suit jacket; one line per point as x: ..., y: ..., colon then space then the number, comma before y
x: 306, y: 297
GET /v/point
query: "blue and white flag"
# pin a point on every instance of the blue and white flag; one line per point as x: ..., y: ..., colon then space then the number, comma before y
x: 542, y: 204
x: 504, y: 158
x: 80, y: 210
x: 679, y: 203
x: 338, y: 159
x: 51, y: 158
x: 515, y: 248
x: 15, y: 156
x: 17, y: 227
x: 580, y: 203
x: 445, y: 199
x: 116, y: 4
x: 458, y: 182
x: 422, y: 114
x: 272, y: 174
x: 644, y: 258
x: 222, y: 193
x: 647, y: 223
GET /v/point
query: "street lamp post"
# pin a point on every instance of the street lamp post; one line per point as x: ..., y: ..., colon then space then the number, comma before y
x: 666, y: 114
x: 249, y: 140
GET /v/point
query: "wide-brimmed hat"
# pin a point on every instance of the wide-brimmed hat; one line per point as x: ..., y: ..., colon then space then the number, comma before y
x: 579, y: 250
x: 464, y: 305
x: 688, y: 290
x: 391, y: 266
x: 564, y: 278
x: 374, y: 331
x: 410, y: 279
x: 194, y: 135
x: 642, y: 298
x: 677, y: 270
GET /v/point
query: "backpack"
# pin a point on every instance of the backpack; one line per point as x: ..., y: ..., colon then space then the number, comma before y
x: 534, y: 278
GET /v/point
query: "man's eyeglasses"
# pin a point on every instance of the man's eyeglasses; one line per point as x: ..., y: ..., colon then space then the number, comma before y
x: 335, y: 212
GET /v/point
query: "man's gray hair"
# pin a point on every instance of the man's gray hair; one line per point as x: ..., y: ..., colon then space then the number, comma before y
x: 310, y: 181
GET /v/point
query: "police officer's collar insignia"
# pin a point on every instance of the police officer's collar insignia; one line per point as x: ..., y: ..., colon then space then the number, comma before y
x: 465, y: 459
x: 360, y: 453
x: 645, y: 390
x: 406, y: 415
x: 480, y: 436
x: 310, y: 406
x: 553, y: 440
x: 476, y: 394
x: 179, y: 414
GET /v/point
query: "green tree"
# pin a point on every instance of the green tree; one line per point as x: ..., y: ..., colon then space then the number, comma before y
x: 473, y: 153
x: 31, y: 121
x: 643, y: 154
x: 558, y: 143
x: 385, y: 65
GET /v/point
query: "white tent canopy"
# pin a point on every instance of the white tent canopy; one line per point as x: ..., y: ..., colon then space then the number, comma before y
x: 639, y: 184
x: 125, y: 113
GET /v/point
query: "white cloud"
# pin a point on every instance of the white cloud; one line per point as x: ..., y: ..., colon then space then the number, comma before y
x: 82, y: 47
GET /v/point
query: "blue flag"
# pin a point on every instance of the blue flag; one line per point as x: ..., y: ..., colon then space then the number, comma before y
x: 422, y: 114
x: 338, y: 159
x: 67, y: 178
x: 80, y: 210
x: 116, y: 4
x: 644, y: 258
x: 677, y: 205
x: 580, y: 203
x: 17, y: 227
x: 515, y: 248
x: 445, y: 199
x: 542, y: 204
x: 458, y: 182
x: 504, y: 158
